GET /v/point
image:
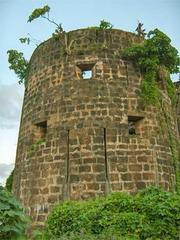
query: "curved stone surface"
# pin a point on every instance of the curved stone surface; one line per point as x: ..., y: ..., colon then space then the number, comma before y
x: 87, y: 135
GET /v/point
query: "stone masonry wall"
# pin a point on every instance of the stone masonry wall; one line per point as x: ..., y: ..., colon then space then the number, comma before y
x: 74, y: 140
x: 177, y: 85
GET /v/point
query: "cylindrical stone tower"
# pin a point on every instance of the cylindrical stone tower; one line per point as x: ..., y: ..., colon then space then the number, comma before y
x: 84, y: 130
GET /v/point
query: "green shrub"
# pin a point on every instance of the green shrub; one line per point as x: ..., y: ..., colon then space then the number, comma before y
x: 12, y: 219
x: 9, y: 182
x: 162, y: 211
x: 152, y: 214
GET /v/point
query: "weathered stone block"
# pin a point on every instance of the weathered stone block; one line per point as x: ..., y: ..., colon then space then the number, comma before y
x: 140, y: 185
x: 98, y: 168
x: 116, y: 186
x: 52, y: 199
x: 54, y: 189
x: 135, y: 168
x: 84, y: 168
x: 128, y: 186
x: 126, y: 177
x: 100, y: 177
x: 92, y: 186
x: 74, y: 178
x: 87, y: 177
x: 148, y: 176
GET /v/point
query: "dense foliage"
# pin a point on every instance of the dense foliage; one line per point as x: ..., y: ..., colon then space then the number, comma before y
x: 39, y: 12
x: 12, y: 219
x: 9, y: 181
x: 19, y: 64
x: 155, y: 56
x: 151, y: 214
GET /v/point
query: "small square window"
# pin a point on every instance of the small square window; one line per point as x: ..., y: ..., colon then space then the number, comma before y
x: 40, y: 130
x: 134, y: 124
x: 86, y: 70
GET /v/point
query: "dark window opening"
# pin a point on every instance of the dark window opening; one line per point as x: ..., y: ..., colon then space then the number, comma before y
x: 134, y: 124
x: 86, y: 70
x: 41, y: 130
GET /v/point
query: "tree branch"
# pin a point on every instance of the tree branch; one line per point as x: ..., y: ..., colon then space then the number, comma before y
x: 51, y: 21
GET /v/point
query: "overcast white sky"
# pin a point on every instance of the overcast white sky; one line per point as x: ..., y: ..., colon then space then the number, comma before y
x: 73, y: 14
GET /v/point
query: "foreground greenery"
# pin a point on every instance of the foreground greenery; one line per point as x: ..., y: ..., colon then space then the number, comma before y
x: 9, y: 181
x: 151, y: 214
x: 13, y: 221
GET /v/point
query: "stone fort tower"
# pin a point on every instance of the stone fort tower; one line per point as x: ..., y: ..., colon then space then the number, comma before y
x: 84, y: 130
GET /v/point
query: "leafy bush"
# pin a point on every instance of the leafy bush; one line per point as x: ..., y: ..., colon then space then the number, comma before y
x: 162, y: 210
x: 9, y: 182
x: 12, y: 219
x: 87, y: 236
x: 152, y: 214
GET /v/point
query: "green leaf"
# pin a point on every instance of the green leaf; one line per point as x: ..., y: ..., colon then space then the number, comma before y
x: 25, y: 40
x: 39, y: 12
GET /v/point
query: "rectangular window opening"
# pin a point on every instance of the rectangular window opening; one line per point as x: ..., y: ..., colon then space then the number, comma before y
x: 86, y: 70
x: 41, y: 130
x: 134, y: 124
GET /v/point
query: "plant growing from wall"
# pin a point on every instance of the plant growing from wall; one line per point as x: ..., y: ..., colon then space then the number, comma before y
x: 68, y: 45
x: 33, y: 147
x: 105, y: 25
x: 140, y: 31
x: 157, y: 59
x: 102, y: 25
x: 155, y: 56
x: 174, y: 147
x: 44, y: 13
x: 17, y: 61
